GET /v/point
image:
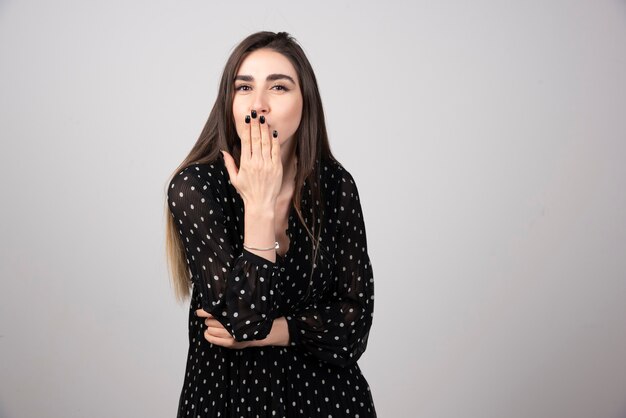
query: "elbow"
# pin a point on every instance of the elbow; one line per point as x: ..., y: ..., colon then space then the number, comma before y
x: 354, y: 346
x: 345, y: 357
x: 353, y: 352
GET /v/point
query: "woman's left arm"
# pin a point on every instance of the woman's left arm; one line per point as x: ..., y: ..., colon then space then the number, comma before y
x: 336, y: 329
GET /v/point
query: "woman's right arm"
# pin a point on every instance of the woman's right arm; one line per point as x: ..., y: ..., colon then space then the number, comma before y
x: 238, y: 287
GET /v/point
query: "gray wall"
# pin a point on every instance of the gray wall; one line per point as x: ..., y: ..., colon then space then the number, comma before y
x: 488, y: 141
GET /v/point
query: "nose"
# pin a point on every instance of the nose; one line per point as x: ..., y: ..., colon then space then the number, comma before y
x: 260, y: 104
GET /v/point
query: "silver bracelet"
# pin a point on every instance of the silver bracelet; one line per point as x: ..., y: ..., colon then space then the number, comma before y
x: 275, y: 247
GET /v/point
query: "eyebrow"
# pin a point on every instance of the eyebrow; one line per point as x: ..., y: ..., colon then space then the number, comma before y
x: 271, y: 77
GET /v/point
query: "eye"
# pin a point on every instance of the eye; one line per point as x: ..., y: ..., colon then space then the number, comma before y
x: 242, y: 87
x: 280, y: 87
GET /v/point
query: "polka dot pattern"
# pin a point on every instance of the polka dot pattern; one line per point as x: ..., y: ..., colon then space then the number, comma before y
x: 329, y: 313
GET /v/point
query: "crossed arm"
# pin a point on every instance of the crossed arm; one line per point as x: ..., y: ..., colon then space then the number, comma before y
x: 217, y: 334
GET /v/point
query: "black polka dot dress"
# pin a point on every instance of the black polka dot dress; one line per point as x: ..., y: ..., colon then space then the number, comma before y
x: 329, y: 312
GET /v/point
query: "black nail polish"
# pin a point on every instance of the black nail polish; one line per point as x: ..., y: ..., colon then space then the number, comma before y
x: 247, y: 118
x: 253, y: 114
x: 262, y: 119
x: 275, y: 134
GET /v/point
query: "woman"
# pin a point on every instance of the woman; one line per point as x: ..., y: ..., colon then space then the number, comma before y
x: 268, y: 228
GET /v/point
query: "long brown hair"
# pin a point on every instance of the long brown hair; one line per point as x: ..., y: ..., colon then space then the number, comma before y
x: 219, y: 132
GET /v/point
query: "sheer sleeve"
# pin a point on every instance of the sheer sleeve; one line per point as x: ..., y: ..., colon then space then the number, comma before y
x: 239, y: 289
x: 336, y: 329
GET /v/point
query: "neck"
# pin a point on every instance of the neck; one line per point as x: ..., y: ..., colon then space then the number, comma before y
x: 289, y: 161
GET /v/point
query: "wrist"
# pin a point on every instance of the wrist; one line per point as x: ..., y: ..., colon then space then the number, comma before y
x: 259, y: 211
x: 278, y: 336
x: 260, y: 232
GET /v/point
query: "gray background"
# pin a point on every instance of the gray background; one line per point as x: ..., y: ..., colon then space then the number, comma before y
x: 487, y: 139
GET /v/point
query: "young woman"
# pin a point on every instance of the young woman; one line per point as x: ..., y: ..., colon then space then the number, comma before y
x: 266, y: 227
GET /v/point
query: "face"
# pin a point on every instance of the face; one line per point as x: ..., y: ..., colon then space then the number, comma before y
x: 268, y: 83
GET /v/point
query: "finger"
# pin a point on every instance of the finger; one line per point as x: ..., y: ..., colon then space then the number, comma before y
x: 275, y: 147
x: 202, y: 313
x: 209, y: 322
x: 265, y: 139
x: 245, y: 140
x: 231, y: 167
x: 255, y: 136
x: 213, y: 339
x: 224, y: 342
x: 218, y: 332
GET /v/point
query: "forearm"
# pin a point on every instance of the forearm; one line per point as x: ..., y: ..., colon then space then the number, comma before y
x: 259, y: 231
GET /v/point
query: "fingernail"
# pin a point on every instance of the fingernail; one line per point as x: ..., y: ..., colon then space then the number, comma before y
x: 194, y: 313
x: 247, y: 118
x: 253, y: 114
x: 262, y: 119
x: 275, y: 134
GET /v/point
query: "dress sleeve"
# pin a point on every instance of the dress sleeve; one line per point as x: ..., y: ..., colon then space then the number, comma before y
x: 336, y: 329
x: 239, y: 289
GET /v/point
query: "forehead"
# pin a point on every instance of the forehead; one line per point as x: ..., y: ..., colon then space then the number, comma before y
x: 265, y: 61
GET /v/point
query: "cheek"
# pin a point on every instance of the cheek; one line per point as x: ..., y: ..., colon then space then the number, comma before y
x: 238, y: 110
x: 239, y: 113
x: 294, y: 115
